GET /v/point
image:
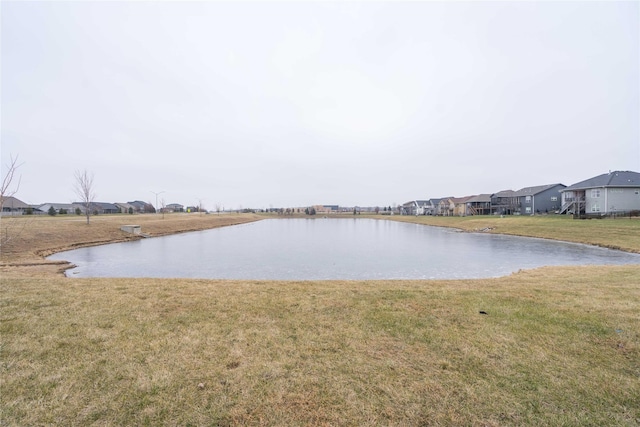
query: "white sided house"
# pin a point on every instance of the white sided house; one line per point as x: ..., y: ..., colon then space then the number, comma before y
x: 611, y: 193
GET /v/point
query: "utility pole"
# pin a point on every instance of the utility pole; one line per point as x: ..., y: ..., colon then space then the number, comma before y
x: 156, y: 193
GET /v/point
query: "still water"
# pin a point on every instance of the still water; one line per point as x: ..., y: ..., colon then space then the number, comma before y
x: 315, y: 249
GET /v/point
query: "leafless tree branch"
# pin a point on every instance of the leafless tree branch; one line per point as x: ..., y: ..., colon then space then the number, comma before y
x: 10, y: 229
x: 7, y: 189
x: 84, y: 190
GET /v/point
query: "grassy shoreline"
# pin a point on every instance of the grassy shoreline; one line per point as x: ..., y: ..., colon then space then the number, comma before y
x: 558, y: 346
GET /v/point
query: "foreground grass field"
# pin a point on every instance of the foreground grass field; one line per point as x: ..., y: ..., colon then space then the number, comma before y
x: 557, y: 346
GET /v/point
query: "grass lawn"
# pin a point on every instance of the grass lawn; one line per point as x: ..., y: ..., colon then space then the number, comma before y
x: 620, y: 233
x: 557, y: 346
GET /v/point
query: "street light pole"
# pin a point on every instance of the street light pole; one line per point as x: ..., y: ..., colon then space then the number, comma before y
x: 156, y: 193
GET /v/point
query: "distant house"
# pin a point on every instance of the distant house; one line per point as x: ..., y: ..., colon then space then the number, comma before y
x: 609, y: 193
x: 326, y: 209
x: 446, y: 206
x: 479, y: 205
x: 504, y: 202
x: 540, y: 199
x: 142, y: 207
x: 97, y: 208
x: 59, y: 208
x: 126, y: 207
x: 13, y: 206
x: 431, y: 207
x: 415, y: 207
x: 174, y: 207
x: 527, y: 200
x: 460, y: 205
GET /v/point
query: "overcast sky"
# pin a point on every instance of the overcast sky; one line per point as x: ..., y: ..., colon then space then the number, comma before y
x: 260, y: 104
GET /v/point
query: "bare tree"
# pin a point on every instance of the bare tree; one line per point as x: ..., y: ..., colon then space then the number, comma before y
x: 8, y: 188
x: 84, y: 190
x: 218, y: 208
x: 10, y: 229
x: 163, y: 207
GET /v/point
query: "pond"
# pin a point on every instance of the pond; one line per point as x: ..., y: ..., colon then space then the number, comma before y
x: 327, y: 248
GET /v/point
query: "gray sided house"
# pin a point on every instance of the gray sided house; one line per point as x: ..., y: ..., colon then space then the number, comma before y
x: 606, y: 194
x: 528, y: 200
x: 99, y: 208
x: 13, y: 206
x: 142, y: 207
x: 59, y: 208
x: 504, y: 202
x: 540, y: 199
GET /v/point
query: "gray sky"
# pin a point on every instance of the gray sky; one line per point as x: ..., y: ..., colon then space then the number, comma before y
x: 259, y: 104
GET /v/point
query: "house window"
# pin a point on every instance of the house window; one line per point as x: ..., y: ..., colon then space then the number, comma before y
x: 595, y: 193
x: 554, y: 198
x: 595, y: 207
x: 528, y: 199
x: 528, y: 209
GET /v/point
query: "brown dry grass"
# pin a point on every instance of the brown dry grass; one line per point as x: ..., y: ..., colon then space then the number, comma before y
x: 558, y: 346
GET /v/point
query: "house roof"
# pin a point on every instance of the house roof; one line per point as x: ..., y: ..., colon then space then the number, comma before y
x: 504, y: 193
x: 57, y: 206
x: 532, y: 191
x: 14, y: 203
x: 103, y: 205
x: 457, y: 200
x: 611, y: 179
x: 480, y: 198
x: 417, y: 203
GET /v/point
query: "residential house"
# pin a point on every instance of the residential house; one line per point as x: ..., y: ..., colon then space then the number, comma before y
x: 540, y: 199
x: 126, y: 208
x: 142, y: 207
x: 174, y: 207
x: 415, y: 207
x: 59, y: 208
x: 479, y: 205
x: 504, y: 202
x: 609, y: 193
x: 431, y: 207
x: 13, y: 206
x: 327, y: 209
x: 97, y: 208
x: 527, y: 200
x: 460, y: 205
x: 446, y: 206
